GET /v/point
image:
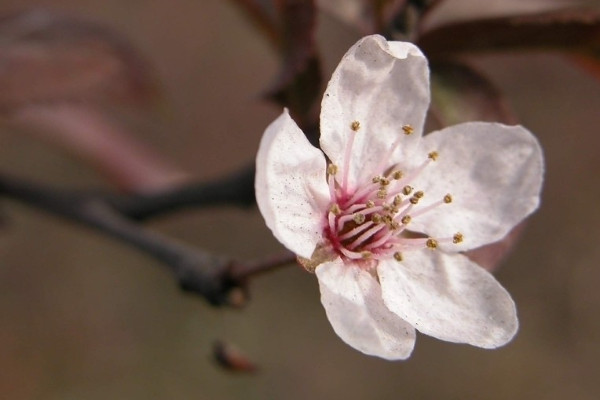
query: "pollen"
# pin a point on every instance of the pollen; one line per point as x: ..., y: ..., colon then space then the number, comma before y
x: 398, y: 256
x: 414, y: 200
x: 397, y: 175
x: 457, y: 238
x: 370, y: 204
x: 406, y: 219
x: 358, y: 218
x: 355, y: 126
x: 376, y: 179
x: 335, y: 209
x: 376, y: 218
x: 448, y: 198
x: 332, y: 169
x: 394, y: 225
x: 419, y: 194
x: 407, y: 129
x: 384, y: 182
x: 433, y: 155
x: 381, y: 193
x: 432, y: 243
x: 397, y: 200
x: 407, y: 190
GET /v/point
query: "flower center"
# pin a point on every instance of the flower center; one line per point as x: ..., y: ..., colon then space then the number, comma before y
x: 370, y: 222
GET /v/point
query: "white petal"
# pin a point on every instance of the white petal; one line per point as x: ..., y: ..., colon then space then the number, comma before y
x: 352, y: 301
x: 290, y: 185
x: 494, y: 173
x: 449, y: 297
x: 383, y: 85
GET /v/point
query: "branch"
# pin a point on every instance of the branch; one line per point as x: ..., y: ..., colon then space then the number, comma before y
x: 195, y: 270
x: 234, y: 189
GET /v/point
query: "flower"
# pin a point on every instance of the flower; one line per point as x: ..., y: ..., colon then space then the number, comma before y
x: 383, y: 224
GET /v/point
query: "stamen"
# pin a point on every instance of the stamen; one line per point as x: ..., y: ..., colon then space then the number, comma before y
x: 382, y: 193
x: 433, y: 155
x: 332, y: 169
x: 448, y: 198
x: 431, y: 243
x: 414, y: 200
x: 398, y: 256
x: 370, y: 204
x: 407, y: 190
x: 335, y: 209
x: 376, y: 179
x: 406, y: 219
x: 397, y: 175
x: 355, y: 126
x: 419, y: 194
x: 407, y: 129
x: 356, y: 231
x: 362, y: 238
x: 358, y: 218
x: 457, y: 238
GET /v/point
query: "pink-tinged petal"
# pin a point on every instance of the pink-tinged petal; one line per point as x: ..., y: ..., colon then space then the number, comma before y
x: 291, y: 190
x: 449, y: 297
x: 353, y: 303
x: 494, y: 173
x: 383, y: 85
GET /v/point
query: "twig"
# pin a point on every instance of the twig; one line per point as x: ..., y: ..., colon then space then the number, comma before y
x: 234, y: 189
x: 195, y: 270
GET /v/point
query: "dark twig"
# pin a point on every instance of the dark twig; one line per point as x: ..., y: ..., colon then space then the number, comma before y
x: 195, y: 270
x: 235, y: 189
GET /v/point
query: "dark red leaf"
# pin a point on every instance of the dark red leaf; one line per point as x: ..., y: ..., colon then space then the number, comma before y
x: 566, y: 30
x: 47, y: 57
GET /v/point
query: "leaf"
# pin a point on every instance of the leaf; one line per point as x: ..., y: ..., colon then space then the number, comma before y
x: 460, y: 94
x: 48, y: 57
x: 565, y: 29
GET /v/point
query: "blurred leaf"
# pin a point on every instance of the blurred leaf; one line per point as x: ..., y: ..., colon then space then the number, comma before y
x: 460, y: 94
x: 47, y: 57
x: 566, y: 29
x: 298, y: 83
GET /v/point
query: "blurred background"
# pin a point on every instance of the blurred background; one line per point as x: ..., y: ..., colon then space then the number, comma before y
x: 85, y: 317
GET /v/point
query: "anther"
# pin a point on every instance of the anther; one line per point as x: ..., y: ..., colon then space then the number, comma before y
x: 387, y: 219
x: 398, y: 256
x: 332, y: 169
x: 407, y: 129
x: 335, y: 209
x: 406, y: 219
x: 414, y: 200
x: 358, y: 218
x: 448, y: 198
x: 376, y: 179
x: 370, y: 204
x: 457, y: 238
x: 394, y: 225
x: 407, y: 190
x: 432, y: 243
x: 433, y: 155
x: 355, y: 126
x: 419, y: 194
x: 397, y: 200
x: 366, y: 254
x: 376, y: 218
x: 381, y: 193
x: 384, y: 181
x: 397, y: 175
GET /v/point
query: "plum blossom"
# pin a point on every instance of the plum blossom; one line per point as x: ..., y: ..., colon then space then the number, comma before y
x: 382, y: 213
